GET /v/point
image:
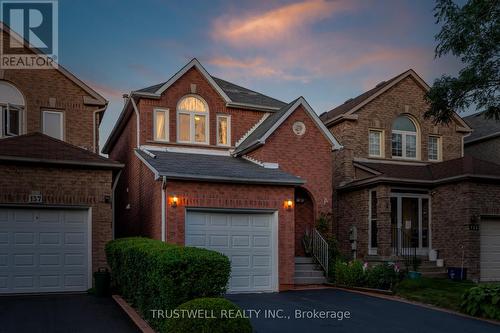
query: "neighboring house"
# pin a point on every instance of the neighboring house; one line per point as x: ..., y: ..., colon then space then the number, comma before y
x: 401, y: 182
x: 55, y: 191
x: 209, y: 163
x: 484, y: 141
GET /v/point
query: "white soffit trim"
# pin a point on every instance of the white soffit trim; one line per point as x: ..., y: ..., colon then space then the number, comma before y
x: 203, y: 71
x: 301, y: 101
x: 186, y: 150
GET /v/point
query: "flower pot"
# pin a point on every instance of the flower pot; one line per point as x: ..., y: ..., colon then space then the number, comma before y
x: 432, y: 255
x: 414, y: 275
x: 440, y: 263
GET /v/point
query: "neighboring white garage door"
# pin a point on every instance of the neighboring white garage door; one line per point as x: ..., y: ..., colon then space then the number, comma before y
x: 490, y: 249
x: 43, y: 250
x: 248, y: 239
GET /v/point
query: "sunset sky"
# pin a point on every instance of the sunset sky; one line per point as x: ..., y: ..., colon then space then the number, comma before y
x: 326, y: 51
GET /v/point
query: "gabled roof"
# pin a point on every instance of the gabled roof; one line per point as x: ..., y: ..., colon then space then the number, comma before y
x: 40, y: 148
x: 232, y: 94
x: 270, y: 124
x: 352, y: 105
x: 213, y: 168
x: 97, y: 99
x: 483, y: 128
x: 432, y: 174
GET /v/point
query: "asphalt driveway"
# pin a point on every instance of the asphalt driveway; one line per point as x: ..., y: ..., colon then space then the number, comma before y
x: 366, y: 314
x: 62, y: 313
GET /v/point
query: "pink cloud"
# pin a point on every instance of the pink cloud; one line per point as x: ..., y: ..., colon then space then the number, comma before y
x: 270, y: 26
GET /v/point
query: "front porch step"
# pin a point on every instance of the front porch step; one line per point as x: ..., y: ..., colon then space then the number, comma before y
x: 312, y: 273
x: 309, y: 280
x: 308, y: 271
x: 304, y: 260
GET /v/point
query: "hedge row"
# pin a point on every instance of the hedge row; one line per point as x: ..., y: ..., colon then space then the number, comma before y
x: 153, y: 275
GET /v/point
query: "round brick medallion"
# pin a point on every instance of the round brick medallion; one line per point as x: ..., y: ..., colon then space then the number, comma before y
x: 299, y: 128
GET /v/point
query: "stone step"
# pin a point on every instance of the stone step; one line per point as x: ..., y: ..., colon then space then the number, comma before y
x: 304, y: 260
x: 309, y: 280
x: 315, y: 273
x: 307, y: 267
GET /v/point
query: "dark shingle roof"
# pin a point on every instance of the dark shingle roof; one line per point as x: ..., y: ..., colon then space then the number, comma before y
x: 38, y: 147
x: 482, y: 127
x: 215, y: 168
x: 236, y: 93
x: 353, y: 102
x: 262, y: 129
x: 239, y: 94
x: 432, y: 173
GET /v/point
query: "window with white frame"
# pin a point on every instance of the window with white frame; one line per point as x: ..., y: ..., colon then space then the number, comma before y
x: 160, y: 125
x: 53, y: 124
x: 11, y: 110
x: 404, y: 138
x: 375, y: 143
x: 223, y: 130
x: 192, y: 120
x: 434, y: 148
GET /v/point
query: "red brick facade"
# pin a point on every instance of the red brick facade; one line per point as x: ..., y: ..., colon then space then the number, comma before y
x: 139, y: 193
x: 453, y: 206
x: 65, y: 187
x: 70, y: 183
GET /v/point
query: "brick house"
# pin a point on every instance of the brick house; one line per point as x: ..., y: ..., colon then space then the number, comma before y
x: 209, y: 163
x: 55, y: 191
x: 401, y: 182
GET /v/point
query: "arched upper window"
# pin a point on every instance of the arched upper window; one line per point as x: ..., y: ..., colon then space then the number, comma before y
x: 192, y: 120
x: 11, y: 110
x: 404, y: 138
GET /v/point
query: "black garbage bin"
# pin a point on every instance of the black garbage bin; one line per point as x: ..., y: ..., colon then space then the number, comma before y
x: 457, y: 273
x: 102, y: 280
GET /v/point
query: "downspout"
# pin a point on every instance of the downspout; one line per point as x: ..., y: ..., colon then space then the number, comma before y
x: 95, y: 127
x: 138, y: 121
x: 163, y: 208
x: 113, y: 189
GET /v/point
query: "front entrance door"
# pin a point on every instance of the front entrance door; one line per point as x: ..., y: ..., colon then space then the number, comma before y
x: 410, y: 224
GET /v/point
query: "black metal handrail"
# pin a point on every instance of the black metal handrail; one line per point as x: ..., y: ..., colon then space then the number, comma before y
x: 403, y: 245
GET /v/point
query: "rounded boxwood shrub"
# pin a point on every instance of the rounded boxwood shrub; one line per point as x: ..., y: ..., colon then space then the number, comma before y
x: 215, y: 315
x: 482, y: 301
x: 153, y: 275
x: 350, y: 274
x: 381, y: 276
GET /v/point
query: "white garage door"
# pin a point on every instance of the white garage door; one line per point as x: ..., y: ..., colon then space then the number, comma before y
x: 248, y: 239
x: 43, y: 250
x: 490, y: 250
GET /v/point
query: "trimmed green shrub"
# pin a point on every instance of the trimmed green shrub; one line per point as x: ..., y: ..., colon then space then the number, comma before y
x: 382, y: 276
x: 482, y: 301
x: 153, y: 275
x: 218, y: 316
x: 350, y: 274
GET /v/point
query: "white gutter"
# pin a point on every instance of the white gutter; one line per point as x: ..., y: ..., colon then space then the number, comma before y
x: 138, y: 121
x: 94, y: 126
x: 163, y: 209
x: 113, y: 189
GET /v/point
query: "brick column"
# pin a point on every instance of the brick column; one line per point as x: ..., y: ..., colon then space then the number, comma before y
x: 384, y: 221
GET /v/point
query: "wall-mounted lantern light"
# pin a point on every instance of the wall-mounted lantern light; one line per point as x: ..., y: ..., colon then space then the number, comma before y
x: 174, y: 200
x: 288, y: 204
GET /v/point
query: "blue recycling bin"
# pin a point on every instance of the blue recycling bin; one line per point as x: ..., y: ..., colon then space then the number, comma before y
x: 457, y: 273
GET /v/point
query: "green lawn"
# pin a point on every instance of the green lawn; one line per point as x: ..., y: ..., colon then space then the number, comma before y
x: 440, y: 292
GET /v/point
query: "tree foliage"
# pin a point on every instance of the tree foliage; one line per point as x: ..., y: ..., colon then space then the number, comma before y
x: 472, y: 33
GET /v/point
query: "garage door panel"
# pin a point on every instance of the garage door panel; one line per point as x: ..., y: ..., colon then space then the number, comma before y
x: 247, y: 240
x: 43, y: 250
x: 490, y: 250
